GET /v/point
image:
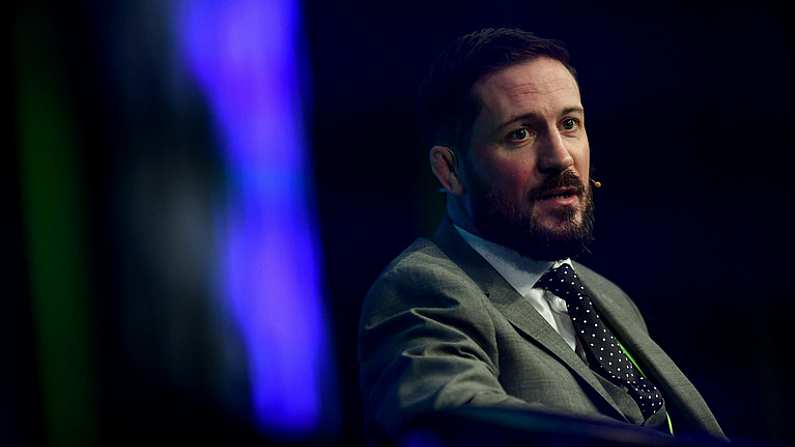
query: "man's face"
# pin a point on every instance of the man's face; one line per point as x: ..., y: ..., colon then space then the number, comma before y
x: 526, y: 171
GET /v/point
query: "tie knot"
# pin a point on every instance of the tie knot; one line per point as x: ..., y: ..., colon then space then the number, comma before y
x: 562, y: 281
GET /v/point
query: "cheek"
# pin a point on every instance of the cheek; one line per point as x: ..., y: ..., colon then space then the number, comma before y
x: 513, y: 178
x: 582, y: 160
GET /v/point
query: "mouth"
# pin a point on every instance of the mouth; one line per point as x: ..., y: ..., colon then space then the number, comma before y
x: 562, y: 193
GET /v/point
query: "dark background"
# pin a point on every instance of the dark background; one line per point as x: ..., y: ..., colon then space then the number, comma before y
x: 690, y: 119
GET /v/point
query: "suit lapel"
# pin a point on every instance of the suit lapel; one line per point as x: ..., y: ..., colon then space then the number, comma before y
x: 678, y: 391
x: 514, y: 307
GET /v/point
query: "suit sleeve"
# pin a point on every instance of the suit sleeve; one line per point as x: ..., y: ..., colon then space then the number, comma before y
x: 426, y: 342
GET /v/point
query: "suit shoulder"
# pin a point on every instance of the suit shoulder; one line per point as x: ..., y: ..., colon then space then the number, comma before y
x: 597, y: 281
x: 422, y: 254
x: 421, y: 275
x: 608, y: 290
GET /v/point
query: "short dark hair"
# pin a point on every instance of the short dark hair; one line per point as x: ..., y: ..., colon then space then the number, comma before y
x: 447, y: 107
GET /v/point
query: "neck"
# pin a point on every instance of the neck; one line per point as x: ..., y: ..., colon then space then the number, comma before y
x: 457, y: 212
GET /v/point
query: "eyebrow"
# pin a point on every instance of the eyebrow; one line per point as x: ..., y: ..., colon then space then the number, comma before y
x: 536, y: 117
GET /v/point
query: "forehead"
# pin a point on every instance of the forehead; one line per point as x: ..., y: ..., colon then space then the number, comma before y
x: 542, y: 86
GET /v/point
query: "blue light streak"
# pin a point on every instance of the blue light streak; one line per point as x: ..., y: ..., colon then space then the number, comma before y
x: 243, y: 54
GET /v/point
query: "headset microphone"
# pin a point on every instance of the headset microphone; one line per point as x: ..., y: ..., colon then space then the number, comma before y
x: 596, y: 183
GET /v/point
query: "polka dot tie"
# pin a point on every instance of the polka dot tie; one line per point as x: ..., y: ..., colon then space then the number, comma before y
x: 597, y: 339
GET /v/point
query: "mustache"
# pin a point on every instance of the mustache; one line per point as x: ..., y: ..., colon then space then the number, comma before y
x: 566, y: 179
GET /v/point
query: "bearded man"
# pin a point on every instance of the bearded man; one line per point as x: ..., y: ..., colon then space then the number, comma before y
x: 491, y: 311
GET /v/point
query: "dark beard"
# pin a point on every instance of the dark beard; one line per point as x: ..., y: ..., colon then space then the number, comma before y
x: 504, y: 223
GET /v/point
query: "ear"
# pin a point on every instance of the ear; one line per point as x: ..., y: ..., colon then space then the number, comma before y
x: 443, y: 165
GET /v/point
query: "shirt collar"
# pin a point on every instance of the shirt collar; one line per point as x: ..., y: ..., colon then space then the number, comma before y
x: 520, y: 271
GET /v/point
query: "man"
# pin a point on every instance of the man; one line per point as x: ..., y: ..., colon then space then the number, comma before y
x: 492, y: 311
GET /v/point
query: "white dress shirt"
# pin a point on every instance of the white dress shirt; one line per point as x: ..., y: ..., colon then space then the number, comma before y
x: 522, y: 273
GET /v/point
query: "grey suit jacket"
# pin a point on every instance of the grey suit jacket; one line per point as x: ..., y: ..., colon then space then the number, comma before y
x: 440, y: 328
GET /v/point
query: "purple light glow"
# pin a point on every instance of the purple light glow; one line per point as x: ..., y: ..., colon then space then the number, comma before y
x: 243, y: 55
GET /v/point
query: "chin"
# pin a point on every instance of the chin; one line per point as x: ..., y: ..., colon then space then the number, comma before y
x: 568, y: 222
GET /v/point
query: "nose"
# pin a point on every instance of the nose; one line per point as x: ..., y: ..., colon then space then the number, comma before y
x: 554, y: 155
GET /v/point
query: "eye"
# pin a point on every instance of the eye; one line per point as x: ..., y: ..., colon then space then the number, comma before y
x: 570, y: 123
x: 519, y: 135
